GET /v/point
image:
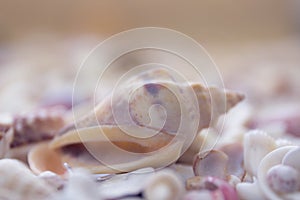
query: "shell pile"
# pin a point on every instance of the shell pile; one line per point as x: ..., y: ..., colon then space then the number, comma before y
x: 153, y: 138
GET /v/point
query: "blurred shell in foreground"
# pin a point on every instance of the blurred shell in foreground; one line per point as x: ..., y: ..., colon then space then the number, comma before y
x: 18, y: 182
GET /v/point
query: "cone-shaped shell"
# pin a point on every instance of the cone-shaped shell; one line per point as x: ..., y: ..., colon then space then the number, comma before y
x: 132, y: 103
x: 152, y: 117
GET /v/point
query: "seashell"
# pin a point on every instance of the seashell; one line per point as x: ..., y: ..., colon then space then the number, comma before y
x: 164, y: 185
x: 37, y: 126
x: 235, y: 164
x: 257, y: 144
x: 122, y: 123
x: 168, y: 100
x: 162, y: 88
x: 211, y: 163
x: 270, y: 160
x: 18, y: 182
x: 32, y: 128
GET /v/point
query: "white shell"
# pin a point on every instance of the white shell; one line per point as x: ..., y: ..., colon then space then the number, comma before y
x: 165, y: 185
x: 19, y: 182
x: 211, y: 163
x: 273, y: 158
x: 257, y: 144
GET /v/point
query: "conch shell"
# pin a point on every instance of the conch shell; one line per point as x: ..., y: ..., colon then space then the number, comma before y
x: 148, y: 122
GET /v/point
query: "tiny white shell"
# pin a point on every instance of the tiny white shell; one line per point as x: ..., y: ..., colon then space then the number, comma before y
x: 257, y: 144
x: 270, y: 160
x: 165, y: 185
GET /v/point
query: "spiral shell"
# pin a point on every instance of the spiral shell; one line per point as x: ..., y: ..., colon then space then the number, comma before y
x: 123, y: 120
x: 277, y: 187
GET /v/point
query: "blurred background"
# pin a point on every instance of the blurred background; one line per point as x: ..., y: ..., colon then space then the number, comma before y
x: 256, y: 44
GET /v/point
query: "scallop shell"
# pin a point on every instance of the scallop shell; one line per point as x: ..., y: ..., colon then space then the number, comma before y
x: 18, y: 182
x: 152, y: 120
x: 257, y: 144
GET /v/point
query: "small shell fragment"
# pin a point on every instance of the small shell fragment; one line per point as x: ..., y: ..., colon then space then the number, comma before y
x: 165, y: 185
x: 211, y: 163
x: 235, y: 155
